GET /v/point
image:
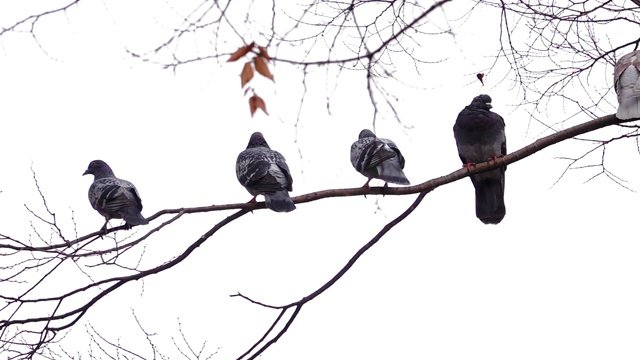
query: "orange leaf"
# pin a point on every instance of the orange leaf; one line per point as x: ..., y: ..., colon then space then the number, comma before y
x: 264, y: 53
x: 246, y: 75
x: 262, y: 68
x: 255, y: 103
x: 241, y: 52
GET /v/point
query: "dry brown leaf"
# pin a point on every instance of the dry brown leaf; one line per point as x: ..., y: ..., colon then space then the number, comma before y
x: 241, y: 52
x: 262, y: 68
x: 255, y: 103
x: 246, y: 75
x: 264, y: 53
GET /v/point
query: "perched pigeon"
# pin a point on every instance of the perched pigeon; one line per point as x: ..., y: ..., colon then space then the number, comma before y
x: 626, y: 80
x: 378, y: 158
x: 114, y: 198
x: 263, y: 171
x: 479, y: 134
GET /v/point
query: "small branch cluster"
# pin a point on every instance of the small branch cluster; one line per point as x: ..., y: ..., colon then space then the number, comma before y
x: 565, y: 50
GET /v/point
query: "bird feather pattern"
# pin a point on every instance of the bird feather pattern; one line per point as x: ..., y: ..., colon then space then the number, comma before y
x: 263, y: 171
x: 114, y: 198
x: 378, y: 158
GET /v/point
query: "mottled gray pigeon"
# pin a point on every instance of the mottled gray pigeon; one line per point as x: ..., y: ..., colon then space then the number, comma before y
x: 480, y: 136
x: 114, y: 198
x: 378, y: 158
x: 626, y: 81
x: 263, y: 171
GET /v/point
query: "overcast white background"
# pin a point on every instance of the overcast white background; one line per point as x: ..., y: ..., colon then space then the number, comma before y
x: 557, y: 279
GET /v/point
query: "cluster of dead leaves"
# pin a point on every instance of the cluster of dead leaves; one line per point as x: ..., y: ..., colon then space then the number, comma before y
x: 259, y: 64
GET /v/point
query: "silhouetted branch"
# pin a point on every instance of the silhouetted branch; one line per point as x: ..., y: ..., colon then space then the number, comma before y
x: 297, y: 305
x: 31, y: 20
x: 47, y: 329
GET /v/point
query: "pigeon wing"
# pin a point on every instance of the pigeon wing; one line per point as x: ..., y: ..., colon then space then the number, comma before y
x: 371, y: 154
x: 263, y: 170
x: 113, y: 197
x: 250, y: 170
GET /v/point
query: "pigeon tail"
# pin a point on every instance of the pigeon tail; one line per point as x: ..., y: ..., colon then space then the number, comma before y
x: 279, y: 201
x: 133, y: 217
x: 391, y: 171
x: 490, y: 207
x: 629, y: 109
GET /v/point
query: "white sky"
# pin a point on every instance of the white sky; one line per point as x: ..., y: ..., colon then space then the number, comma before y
x: 557, y: 279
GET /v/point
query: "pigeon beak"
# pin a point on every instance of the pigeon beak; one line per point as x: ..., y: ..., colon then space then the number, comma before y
x: 489, y: 105
x: 86, y: 172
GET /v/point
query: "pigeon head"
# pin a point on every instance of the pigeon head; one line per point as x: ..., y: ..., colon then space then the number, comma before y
x: 98, y: 169
x: 257, y: 140
x: 482, y: 101
x: 365, y: 134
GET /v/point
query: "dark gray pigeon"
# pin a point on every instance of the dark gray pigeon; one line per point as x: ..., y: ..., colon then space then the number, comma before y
x: 480, y: 136
x: 114, y: 198
x: 626, y: 81
x: 263, y: 171
x: 378, y: 158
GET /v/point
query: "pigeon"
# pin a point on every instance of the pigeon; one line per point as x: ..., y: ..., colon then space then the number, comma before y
x: 114, y: 198
x: 263, y: 171
x: 626, y: 81
x: 378, y: 158
x: 480, y: 136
